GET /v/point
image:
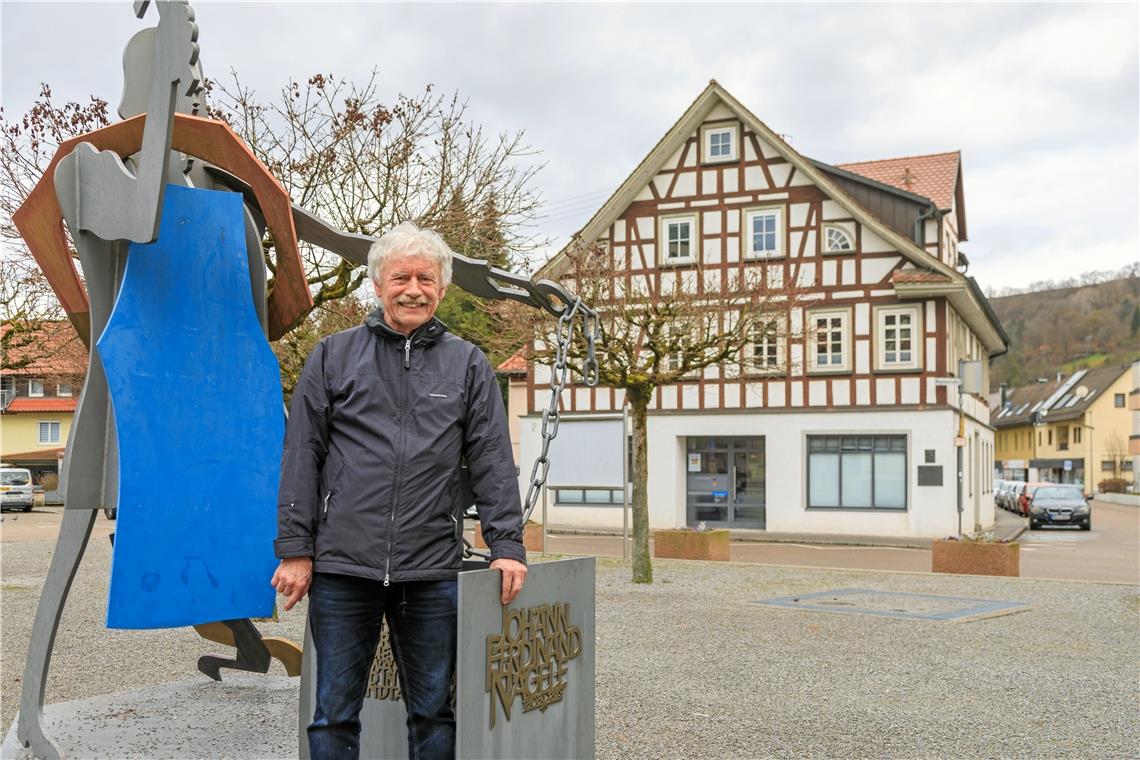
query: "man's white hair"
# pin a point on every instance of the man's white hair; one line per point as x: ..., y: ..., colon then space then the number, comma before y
x: 406, y: 239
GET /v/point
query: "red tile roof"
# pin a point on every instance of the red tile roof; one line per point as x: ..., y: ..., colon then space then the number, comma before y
x: 934, y: 176
x: 516, y: 363
x: 54, y: 350
x: 26, y: 404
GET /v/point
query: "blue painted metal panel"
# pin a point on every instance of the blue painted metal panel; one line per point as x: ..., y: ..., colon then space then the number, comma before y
x: 198, y: 411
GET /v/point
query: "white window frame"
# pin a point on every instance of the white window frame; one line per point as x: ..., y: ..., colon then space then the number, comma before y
x: 63, y: 390
x: 708, y: 130
x: 35, y: 387
x: 827, y: 228
x: 779, y: 343
x: 845, y: 340
x: 916, y: 339
x: 746, y: 234
x: 663, y: 239
x: 58, y: 432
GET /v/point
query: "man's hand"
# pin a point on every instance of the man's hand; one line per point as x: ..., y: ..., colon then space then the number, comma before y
x: 292, y: 578
x: 514, y: 576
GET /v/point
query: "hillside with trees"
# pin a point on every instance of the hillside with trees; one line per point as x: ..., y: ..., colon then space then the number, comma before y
x: 1061, y: 327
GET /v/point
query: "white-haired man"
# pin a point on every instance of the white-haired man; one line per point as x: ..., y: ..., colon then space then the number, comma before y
x: 369, y: 516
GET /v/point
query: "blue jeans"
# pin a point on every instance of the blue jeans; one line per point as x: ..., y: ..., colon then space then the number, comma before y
x: 344, y: 617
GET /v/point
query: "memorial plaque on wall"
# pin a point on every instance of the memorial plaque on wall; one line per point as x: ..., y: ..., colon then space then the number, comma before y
x: 524, y: 683
x: 930, y: 475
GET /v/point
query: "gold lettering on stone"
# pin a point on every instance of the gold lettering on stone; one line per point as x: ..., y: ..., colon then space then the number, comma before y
x: 383, y: 679
x: 528, y: 660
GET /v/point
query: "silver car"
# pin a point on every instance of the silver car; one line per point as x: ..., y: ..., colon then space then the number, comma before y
x: 16, y: 491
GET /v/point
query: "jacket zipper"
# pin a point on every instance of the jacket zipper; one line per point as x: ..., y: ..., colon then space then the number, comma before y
x: 399, y: 458
x: 325, y: 514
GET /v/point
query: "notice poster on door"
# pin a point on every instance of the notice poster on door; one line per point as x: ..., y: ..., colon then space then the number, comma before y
x: 694, y: 461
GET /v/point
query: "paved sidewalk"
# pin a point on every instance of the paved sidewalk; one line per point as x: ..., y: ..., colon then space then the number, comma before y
x: 1007, y: 527
x: 690, y: 667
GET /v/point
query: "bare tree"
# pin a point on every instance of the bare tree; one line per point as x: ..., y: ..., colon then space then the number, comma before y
x: 659, y: 330
x: 27, y: 145
x: 360, y: 163
x: 1116, y: 451
x: 365, y: 166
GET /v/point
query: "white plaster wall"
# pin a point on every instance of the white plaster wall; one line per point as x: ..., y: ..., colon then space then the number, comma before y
x: 932, y: 510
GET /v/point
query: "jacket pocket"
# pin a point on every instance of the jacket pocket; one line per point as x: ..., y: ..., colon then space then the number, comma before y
x: 325, y: 505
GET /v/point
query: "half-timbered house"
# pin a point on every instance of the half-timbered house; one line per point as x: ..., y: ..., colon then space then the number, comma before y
x: 847, y: 429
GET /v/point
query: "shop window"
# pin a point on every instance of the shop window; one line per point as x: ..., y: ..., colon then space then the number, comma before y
x: 857, y: 472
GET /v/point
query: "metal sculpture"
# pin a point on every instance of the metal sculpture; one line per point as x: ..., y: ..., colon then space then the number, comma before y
x: 110, y: 187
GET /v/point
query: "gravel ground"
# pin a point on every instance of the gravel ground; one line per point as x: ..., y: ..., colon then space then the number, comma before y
x: 687, y: 667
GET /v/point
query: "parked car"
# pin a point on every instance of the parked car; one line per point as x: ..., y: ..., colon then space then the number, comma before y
x: 1013, y: 496
x: 1001, y: 498
x: 16, y: 490
x: 1025, y: 498
x: 1056, y: 504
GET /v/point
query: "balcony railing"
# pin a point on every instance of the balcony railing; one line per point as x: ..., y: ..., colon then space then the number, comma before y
x: 6, y: 397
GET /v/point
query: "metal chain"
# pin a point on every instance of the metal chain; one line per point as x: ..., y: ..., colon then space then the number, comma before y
x: 564, y: 337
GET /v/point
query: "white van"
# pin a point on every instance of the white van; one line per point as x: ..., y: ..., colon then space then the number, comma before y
x: 15, y: 488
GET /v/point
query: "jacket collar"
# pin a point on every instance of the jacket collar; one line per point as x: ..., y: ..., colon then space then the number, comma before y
x: 427, y: 333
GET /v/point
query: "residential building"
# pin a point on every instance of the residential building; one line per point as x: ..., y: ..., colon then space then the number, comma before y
x: 1078, y: 428
x: 38, y: 397
x: 1015, y: 437
x: 850, y: 429
x: 1134, y: 407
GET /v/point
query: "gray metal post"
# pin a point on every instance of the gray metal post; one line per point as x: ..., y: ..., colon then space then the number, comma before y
x: 624, y: 484
x: 545, y: 493
x: 958, y: 441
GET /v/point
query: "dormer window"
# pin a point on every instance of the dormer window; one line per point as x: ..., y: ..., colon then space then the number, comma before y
x: 837, y: 240
x: 720, y: 143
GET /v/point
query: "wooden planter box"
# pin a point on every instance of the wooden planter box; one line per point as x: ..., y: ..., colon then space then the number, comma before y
x: 532, y: 537
x: 691, y: 544
x: 976, y: 558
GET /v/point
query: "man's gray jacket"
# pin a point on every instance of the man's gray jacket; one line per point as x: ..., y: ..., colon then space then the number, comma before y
x: 370, y: 474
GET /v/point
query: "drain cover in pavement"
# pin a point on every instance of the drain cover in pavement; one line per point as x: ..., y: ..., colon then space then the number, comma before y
x: 897, y: 604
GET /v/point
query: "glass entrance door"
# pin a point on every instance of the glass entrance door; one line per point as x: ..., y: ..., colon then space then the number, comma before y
x: 725, y: 482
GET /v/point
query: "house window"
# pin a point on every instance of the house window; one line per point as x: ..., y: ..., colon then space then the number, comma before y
x: 592, y: 497
x: 857, y: 472
x: 719, y: 144
x: 1076, y: 435
x: 63, y: 389
x: 829, y: 342
x: 49, y: 432
x: 1118, y: 400
x: 837, y: 240
x: 1063, y: 439
x: 1107, y: 465
x: 897, y: 342
x: 36, y: 387
x: 762, y: 234
x: 765, y: 352
x: 678, y: 239
x: 1049, y: 436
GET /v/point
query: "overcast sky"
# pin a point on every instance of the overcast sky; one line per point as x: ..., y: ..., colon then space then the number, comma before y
x: 1042, y: 100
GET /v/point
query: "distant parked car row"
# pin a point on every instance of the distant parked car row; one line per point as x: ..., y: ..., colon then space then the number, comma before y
x: 1044, y: 503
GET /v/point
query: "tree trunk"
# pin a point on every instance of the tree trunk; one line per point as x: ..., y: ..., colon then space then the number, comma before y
x: 642, y: 565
